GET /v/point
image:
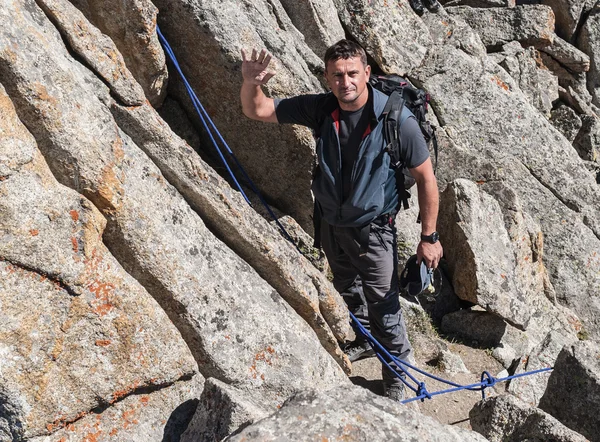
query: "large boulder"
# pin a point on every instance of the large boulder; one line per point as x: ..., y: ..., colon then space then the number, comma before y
x: 78, y: 332
x: 131, y: 24
x: 247, y: 233
x: 507, y: 419
x: 236, y: 325
x: 318, y: 21
x: 589, y: 42
x: 390, y: 32
x: 488, y: 267
x: 530, y: 389
x: 207, y: 38
x: 150, y: 416
x: 568, y: 55
x: 349, y: 413
x: 573, y: 393
x: 497, y: 137
x: 531, y: 25
x: 539, y: 85
x: 572, y: 85
x: 568, y: 14
x: 96, y: 49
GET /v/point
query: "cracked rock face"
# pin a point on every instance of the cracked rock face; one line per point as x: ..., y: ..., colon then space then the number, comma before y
x: 318, y: 21
x: 333, y: 415
x: 377, y: 26
x: 96, y: 49
x: 237, y: 326
x: 496, y: 136
x: 149, y: 415
x: 573, y: 393
x: 129, y: 268
x: 531, y: 25
x: 77, y: 331
x: 131, y: 24
x: 480, y: 254
x: 210, y: 38
x: 248, y: 234
x: 505, y: 418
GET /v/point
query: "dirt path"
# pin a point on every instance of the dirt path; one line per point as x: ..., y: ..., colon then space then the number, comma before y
x: 452, y: 408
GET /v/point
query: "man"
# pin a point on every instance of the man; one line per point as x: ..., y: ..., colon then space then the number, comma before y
x: 356, y: 189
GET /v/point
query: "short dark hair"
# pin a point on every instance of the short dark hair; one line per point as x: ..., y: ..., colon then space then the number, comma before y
x: 345, y: 49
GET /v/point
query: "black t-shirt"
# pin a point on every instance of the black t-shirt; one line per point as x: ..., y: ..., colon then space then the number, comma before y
x: 352, y: 127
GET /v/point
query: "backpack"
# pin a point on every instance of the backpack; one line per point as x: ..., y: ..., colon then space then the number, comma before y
x: 416, y: 100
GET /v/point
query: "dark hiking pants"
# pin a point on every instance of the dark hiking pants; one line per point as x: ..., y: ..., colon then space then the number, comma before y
x: 369, y: 283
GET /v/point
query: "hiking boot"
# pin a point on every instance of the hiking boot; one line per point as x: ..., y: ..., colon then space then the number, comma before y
x: 357, y: 351
x: 432, y: 5
x: 417, y: 6
x: 394, y: 392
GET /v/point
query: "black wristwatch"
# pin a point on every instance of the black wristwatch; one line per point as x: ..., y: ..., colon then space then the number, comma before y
x: 432, y: 239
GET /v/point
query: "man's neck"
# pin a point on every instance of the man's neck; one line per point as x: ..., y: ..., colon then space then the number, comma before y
x: 356, y: 104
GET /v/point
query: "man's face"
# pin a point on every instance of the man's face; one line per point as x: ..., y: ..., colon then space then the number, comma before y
x: 348, y: 79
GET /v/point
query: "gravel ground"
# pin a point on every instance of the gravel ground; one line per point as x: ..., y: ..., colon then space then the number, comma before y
x: 452, y: 408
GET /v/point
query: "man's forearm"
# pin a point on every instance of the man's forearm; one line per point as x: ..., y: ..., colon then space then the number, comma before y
x: 428, y: 204
x: 255, y: 104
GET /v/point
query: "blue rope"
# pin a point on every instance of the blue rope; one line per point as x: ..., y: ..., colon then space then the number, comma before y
x: 206, y: 122
x: 401, y: 372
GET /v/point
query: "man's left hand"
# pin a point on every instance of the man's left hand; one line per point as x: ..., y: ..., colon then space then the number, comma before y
x: 430, y: 253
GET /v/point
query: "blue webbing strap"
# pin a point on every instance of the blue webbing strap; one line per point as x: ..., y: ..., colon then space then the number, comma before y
x: 400, y: 369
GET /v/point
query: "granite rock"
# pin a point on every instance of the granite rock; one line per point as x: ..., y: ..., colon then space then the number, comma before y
x: 77, y: 331
x: 573, y: 393
x: 351, y: 414
x: 131, y: 24
x: 506, y: 419
x: 531, y: 25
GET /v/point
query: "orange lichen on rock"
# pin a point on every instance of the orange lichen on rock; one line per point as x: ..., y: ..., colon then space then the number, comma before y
x: 42, y: 94
x: 575, y: 323
x: 103, y: 291
x: 119, y: 394
x: 34, y: 232
x: 103, y: 342
x: 264, y: 357
x: 117, y: 148
x: 92, y: 437
x: 74, y: 215
x: 61, y: 422
x: 110, y: 189
x: 129, y: 418
x: 500, y: 83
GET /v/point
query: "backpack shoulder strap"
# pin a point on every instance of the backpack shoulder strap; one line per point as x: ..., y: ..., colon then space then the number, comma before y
x: 394, y: 114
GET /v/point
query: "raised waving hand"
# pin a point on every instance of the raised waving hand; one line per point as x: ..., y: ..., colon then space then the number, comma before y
x: 255, y: 70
